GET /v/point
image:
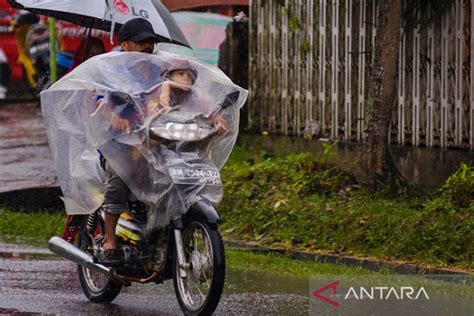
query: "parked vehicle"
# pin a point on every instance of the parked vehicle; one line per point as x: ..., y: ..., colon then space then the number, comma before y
x: 37, y: 47
x: 14, y: 26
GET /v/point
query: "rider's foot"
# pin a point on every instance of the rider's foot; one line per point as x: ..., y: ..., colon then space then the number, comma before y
x: 111, y: 258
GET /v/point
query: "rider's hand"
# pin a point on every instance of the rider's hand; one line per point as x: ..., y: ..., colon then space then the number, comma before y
x: 166, y: 91
x: 220, y: 124
x: 121, y: 124
x: 175, y: 85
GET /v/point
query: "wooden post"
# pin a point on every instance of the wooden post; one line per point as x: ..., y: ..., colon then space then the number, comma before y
x: 335, y: 70
x: 322, y: 65
x: 361, y: 70
x: 458, y: 93
x: 348, y: 71
x: 444, y: 81
x: 430, y: 95
x: 471, y: 105
x: 416, y: 88
x: 401, y: 87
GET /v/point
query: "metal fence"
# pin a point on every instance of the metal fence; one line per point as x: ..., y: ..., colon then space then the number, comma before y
x: 309, y: 64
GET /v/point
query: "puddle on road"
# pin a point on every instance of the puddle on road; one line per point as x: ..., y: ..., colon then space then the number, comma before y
x: 239, y: 280
x: 245, y: 293
x: 261, y: 293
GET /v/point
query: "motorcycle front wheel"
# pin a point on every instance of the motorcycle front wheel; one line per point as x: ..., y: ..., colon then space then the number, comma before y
x: 199, y: 293
x: 98, y: 287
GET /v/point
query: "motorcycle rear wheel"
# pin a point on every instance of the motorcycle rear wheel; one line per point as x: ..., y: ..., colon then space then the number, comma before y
x: 98, y: 287
x: 200, y: 292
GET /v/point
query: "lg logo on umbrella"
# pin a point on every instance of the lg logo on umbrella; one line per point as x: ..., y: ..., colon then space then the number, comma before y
x: 122, y: 8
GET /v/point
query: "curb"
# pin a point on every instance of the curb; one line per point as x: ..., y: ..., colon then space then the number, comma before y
x: 28, y: 256
x: 367, y: 263
x: 16, y: 251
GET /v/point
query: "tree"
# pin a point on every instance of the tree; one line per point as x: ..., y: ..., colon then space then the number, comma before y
x: 376, y: 159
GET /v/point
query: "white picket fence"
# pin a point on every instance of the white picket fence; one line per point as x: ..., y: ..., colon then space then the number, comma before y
x: 309, y: 63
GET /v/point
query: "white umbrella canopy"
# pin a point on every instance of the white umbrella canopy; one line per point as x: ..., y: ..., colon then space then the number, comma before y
x: 104, y: 14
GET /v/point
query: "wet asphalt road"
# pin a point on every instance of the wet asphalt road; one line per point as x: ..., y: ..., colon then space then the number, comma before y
x: 35, y: 284
x: 25, y: 160
x: 29, y: 284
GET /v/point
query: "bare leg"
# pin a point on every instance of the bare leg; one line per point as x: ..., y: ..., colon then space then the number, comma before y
x: 110, y: 240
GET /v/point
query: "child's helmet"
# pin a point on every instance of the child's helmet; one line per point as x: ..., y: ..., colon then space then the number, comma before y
x: 178, y: 64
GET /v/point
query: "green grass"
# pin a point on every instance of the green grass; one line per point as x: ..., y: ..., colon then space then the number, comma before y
x: 306, y: 202
x: 36, y: 228
x: 33, y: 228
x: 280, y: 264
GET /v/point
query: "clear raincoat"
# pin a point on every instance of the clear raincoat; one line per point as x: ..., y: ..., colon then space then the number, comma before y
x: 168, y: 174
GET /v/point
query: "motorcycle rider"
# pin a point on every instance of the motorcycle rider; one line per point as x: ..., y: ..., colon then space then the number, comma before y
x: 136, y: 35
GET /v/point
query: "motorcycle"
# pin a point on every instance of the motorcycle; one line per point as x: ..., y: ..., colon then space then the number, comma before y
x: 33, y: 48
x: 37, y: 45
x: 168, y: 160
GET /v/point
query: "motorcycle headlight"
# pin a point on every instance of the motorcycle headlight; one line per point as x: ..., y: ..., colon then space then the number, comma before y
x: 184, y: 132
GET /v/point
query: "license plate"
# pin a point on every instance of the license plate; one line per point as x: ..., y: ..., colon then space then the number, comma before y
x: 198, y: 176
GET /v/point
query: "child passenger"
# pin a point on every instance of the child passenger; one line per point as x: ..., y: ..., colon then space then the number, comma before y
x: 176, y: 90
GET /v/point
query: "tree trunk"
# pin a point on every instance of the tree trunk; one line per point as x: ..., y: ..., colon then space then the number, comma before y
x: 376, y: 159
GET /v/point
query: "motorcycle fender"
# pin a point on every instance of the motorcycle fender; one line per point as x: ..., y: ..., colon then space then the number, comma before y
x: 207, y: 211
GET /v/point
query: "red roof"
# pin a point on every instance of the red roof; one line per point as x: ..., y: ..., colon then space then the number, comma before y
x: 174, y: 5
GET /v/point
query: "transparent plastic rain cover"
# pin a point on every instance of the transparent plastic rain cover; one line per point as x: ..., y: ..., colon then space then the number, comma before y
x: 169, y: 153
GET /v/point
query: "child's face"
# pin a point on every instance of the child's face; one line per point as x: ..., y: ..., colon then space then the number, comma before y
x: 182, y: 76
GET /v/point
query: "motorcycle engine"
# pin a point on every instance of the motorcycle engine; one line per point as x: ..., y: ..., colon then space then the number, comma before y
x: 130, y: 254
x: 158, y: 252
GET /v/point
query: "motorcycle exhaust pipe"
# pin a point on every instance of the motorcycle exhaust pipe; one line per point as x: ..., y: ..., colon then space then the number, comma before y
x: 67, y: 250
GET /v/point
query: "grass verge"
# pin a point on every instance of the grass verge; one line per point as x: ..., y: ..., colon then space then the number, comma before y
x: 306, y: 202
x: 275, y: 263
x: 36, y: 228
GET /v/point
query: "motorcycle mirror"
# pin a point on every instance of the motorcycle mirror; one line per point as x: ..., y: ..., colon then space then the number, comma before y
x: 121, y: 99
x: 230, y: 99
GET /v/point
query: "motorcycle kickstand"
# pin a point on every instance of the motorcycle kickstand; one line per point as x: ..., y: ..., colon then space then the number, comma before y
x: 182, y: 264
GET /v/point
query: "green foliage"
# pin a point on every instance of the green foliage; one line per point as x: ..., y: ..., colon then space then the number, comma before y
x: 243, y: 259
x: 304, y: 201
x: 294, y: 24
x: 329, y: 154
x: 35, y: 227
x: 305, y: 47
x: 459, y: 187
